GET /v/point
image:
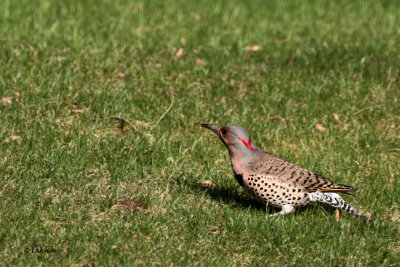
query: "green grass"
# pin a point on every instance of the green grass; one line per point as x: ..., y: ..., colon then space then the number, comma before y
x: 102, y: 195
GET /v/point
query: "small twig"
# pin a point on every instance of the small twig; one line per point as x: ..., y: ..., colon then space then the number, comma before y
x: 122, y: 120
x: 27, y: 44
x: 163, y: 115
x: 389, y: 85
x: 361, y: 111
x: 191, y: 148
x: 364, y: 109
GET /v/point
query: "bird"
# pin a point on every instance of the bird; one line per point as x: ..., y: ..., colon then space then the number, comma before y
x: 272, y: 180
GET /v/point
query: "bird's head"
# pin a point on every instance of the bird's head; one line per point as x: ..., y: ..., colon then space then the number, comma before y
x: 234, y: 137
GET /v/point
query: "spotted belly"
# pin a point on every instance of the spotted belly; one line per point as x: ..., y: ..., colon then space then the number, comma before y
x: 273, y: 191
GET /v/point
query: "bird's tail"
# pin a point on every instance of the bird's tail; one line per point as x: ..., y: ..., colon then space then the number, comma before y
x: 340, y: 188
x: 334, y: 200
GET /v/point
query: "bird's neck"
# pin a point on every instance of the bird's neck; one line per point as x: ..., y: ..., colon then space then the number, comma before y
x: 240, y: 159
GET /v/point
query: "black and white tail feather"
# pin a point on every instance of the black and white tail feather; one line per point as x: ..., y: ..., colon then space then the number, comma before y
x: 334, y: 200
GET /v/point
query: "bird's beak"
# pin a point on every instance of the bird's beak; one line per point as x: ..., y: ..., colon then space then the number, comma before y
x: 213, y: 128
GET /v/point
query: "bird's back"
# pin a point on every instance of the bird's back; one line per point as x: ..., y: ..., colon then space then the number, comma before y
x: 279, y: 168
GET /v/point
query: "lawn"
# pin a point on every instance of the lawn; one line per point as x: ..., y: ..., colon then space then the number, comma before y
x: 316, y: 82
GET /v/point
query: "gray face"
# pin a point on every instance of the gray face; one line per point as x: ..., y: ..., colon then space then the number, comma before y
x: 233, y: 135
x: 238, y: 131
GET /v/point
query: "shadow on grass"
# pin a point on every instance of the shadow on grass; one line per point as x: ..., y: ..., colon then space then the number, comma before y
x: 229, y: 195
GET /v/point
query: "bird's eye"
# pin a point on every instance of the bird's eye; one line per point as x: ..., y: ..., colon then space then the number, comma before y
x: 223, y: 131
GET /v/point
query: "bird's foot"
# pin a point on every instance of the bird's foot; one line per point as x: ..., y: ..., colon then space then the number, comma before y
x: 286, y: 209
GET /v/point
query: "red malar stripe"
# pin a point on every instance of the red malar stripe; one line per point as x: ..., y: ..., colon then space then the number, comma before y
x: 248, y: 144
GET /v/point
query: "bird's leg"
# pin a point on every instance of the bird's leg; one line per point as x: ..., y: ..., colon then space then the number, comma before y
x: 286, y: 209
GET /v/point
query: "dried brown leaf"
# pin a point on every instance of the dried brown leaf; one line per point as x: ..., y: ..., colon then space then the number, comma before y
x: 320, y: 127
x: 200, y: 62
x: 218, y: 161
x: 396, y: 248
x: 81, y: 111
x: 389, y: 74
x: 395, y: 216
x: 337, y: 215
x: 335, y: 116
x: 73, y: 106
x: 59, y: 58
x: 17, y: 53
x: 150, y: 138
x: 242, y: 91
x: 96, y: 135
x: 16, y: 96
x: 142, y: 124
x: 346, y: 126
x: 15, y: 137
x: 65, y: 123
x: 12, y: 138
x: 206, y: 183
x: 293, y: 147
x: 215, y: 230
x: 118, y: 132
x: 6, y: 100
x: 289, y: 58
x: 156, y: 210
x: 129, y: 204
x: 183, y: 41
x: 179, y: 53
x: 253, y: 48
x: 195, y: 16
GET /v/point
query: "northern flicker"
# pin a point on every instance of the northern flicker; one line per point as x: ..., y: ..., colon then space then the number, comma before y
x: 272, y: 180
